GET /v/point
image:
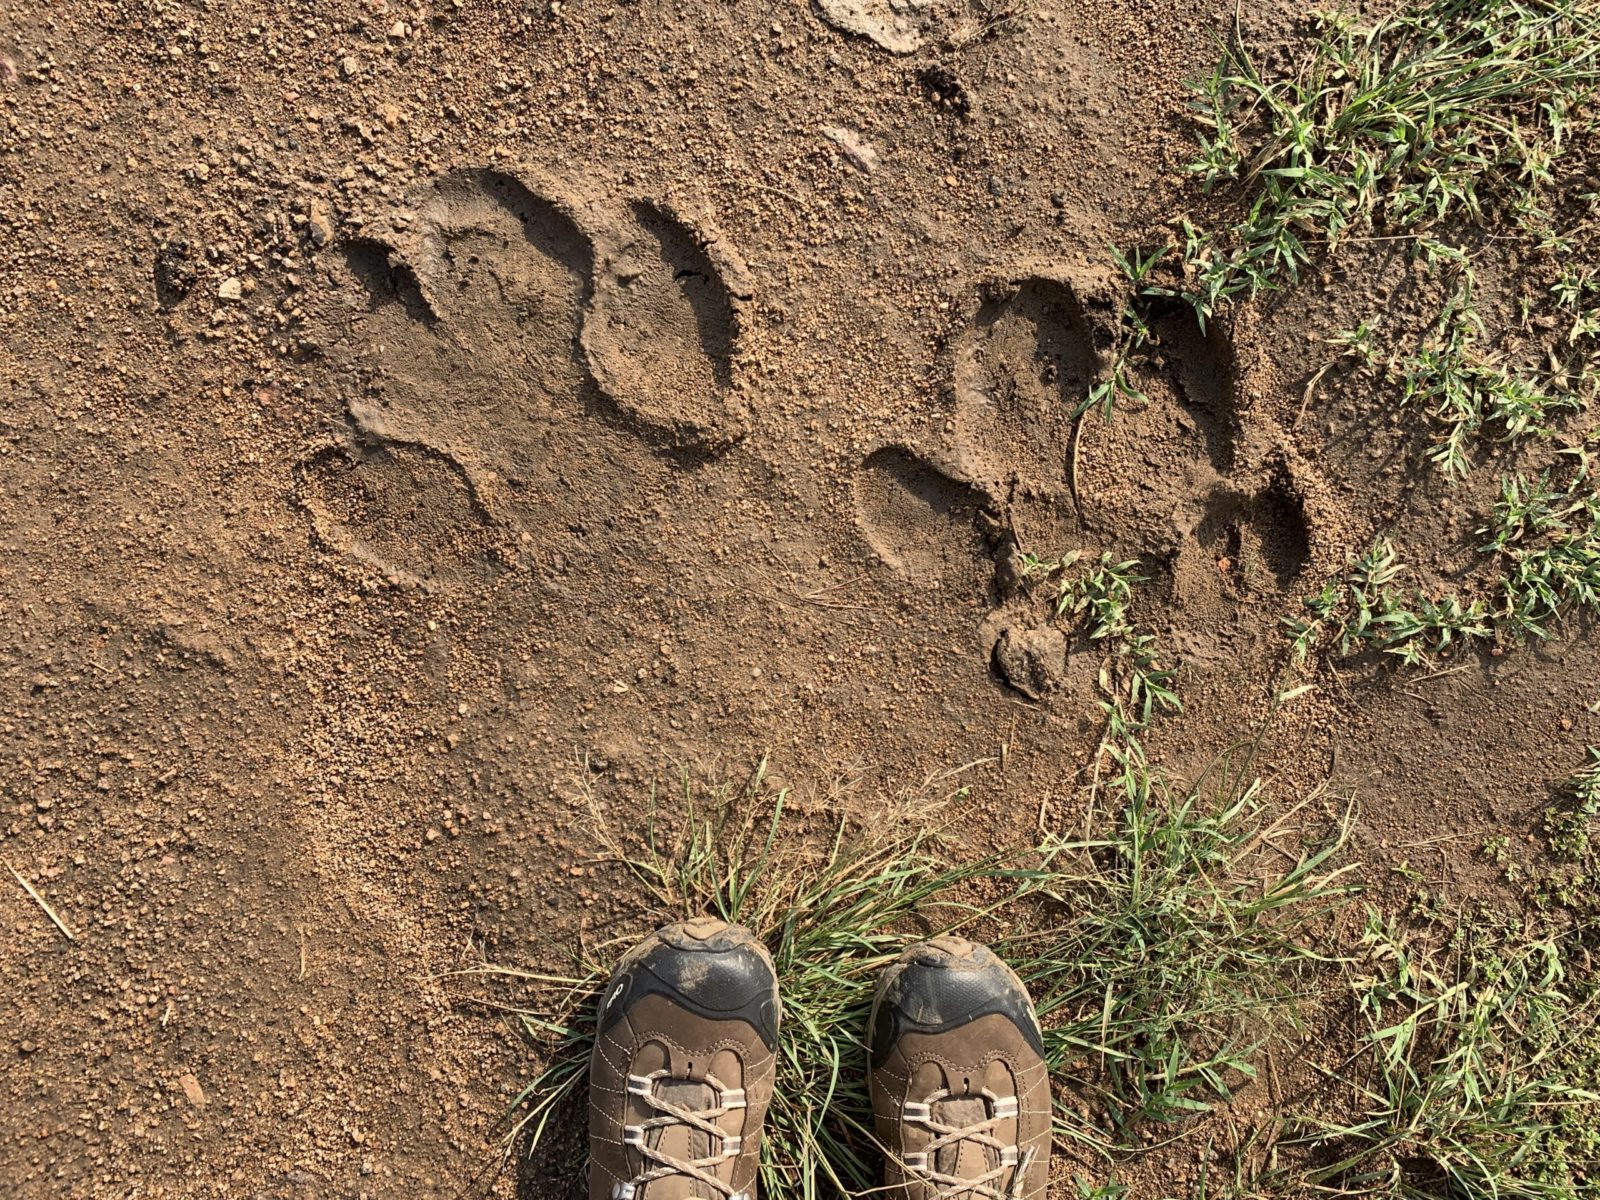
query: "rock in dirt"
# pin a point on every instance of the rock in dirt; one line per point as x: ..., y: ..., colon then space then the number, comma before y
x: 319, y: 222
x: 861, y: 153
x: 192, y: 1090
x: 898, y: 26
x: 230, y: 290
x: 1031, y: 660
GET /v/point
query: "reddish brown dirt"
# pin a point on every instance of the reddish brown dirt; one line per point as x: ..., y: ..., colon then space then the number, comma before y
x: 410, y: 410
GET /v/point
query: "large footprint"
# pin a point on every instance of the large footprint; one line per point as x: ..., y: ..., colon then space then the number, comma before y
x: 503, y: 311
x: 1163, y: 481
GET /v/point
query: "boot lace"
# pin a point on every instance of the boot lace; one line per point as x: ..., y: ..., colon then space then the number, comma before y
x: 665, y: 1166
x: 989, y: 1184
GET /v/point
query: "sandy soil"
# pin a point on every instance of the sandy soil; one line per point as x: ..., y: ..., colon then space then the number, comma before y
x: 412, y: 413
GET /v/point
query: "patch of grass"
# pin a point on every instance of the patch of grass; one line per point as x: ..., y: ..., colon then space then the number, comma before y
x: 1568, y: 829
x: 1442, y: 109
x: 1099, y: 598
x: 1466, y: 392
x: 1173, y: 941
x: 1443, y: 114
x: 1475, y: 1078
x: 1543, y: 536
x: 1364, y: 610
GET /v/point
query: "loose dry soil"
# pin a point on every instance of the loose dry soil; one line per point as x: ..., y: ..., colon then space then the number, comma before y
x: 418, y: 416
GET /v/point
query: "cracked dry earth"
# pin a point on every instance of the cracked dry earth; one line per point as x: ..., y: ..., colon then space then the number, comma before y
x: 418, y: 417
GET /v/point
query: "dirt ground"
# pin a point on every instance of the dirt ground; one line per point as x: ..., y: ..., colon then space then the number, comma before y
x: 415, y: 416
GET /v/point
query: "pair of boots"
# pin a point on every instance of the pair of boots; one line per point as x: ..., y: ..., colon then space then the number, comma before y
x: 683, y: 1069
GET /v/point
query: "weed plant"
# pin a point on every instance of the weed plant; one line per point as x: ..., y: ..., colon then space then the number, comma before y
x: 1442, y: 109
x: 1475, y: 1079
x: 1098, y: 599
x: 1544, y: 537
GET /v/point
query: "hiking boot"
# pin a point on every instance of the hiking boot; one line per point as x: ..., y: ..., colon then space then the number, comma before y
x: 682, y: 1067
x: 959, y: 1088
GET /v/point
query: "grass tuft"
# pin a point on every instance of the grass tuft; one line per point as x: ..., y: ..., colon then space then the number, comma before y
x: 1172, y: 945
x: 1441, y: 109
x: 1475, y: 1079
x: 1098, y: 599
x: 1545, y: 539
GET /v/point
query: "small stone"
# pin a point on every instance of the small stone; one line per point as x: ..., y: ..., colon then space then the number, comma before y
x: 1032, y: 661
x: 349, y: 66
x: 861, y: 153
x: 192, y: 1090
x: 231, y: 290
x: 398, y: 30
x: 319, y: 222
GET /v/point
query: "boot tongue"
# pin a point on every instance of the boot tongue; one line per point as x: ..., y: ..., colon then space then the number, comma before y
x: 682, y: 1142
x: 965, y: 1159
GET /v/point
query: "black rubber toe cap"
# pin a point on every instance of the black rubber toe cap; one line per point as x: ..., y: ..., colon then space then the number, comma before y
x: 714, y: 970
x: 941, y: 985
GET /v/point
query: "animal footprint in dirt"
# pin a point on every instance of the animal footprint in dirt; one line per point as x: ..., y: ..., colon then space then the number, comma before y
x: 1164, y: 481
x: 660, y: 334
x: 504, y: 314
x: 1234, y: 527
x: 405, y: 511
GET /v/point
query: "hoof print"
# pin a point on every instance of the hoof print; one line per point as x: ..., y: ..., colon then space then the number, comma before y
x: 663, y: 327
x: 917, y: 519
x: 404, y: 510
x: 1032, y: 350
x: 483, y: 249
x: 469, y: 338
x: 1200, y: 370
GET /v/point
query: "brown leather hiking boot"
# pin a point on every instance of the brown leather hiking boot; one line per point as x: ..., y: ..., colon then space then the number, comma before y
x: 682, y: 1067
x: 959, y: 1087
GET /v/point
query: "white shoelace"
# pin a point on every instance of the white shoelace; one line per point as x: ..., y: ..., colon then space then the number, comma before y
x: 665, y: 1166
x: 987, y: 1185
